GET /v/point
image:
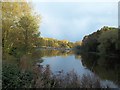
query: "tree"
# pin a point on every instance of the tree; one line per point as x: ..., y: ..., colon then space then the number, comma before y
x: 91, y: 42
x: 29, y: 27
x: 11, y: 12
x: 108, y: 42
x: 20, y: 26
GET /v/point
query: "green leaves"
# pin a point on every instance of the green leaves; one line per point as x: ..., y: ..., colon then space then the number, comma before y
x: 50, y: 42
x: 108, y: 41
x: 104, y: 41
x: 20, y: 27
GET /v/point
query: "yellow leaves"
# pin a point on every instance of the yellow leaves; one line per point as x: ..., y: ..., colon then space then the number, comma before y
x: 19, y: 25
x: 15, y: 9
x: 14, y: 0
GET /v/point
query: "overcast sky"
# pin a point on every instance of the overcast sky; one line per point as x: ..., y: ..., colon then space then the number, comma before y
x: 72, y: 21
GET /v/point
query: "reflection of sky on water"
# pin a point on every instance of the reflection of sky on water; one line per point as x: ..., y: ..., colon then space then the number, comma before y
x: 66, y: 64
x: 69, y: 63
x: 109, y: 83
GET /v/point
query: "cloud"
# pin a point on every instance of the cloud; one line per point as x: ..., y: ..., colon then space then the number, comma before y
x: 72, y: 21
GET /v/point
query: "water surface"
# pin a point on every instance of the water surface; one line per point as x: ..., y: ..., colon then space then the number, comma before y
x: 81, y: 64
x: 65, y: 63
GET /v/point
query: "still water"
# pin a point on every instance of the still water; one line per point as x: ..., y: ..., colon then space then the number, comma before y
x: 67, y: 61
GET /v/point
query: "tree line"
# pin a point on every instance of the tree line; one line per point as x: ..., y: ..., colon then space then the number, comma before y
x: 103, y: 41
x: 20, y: 25
x: 20, y: 35
x: 50, y: 42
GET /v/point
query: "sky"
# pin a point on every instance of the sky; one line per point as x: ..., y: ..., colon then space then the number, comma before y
x: 73, y: 20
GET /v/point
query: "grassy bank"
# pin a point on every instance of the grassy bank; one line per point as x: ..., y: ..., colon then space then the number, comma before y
x: 42, y: 77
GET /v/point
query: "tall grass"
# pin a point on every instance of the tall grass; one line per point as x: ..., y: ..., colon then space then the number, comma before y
x: 42, y: 77
x: 46, y: 79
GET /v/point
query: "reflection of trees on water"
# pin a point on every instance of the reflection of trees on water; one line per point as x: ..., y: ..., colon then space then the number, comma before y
x: 28, y: 62
x: 78, y: 57
x: 50, y: 53
x: 105, y: 67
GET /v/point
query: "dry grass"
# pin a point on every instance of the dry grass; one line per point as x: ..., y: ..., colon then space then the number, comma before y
x: 46, y: 79
x: 42, y: 77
